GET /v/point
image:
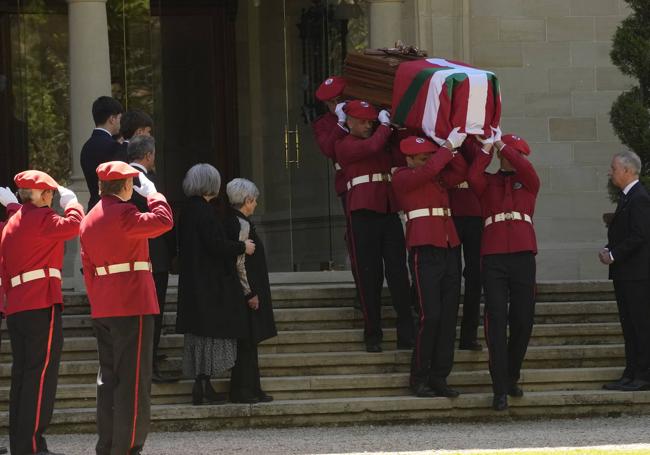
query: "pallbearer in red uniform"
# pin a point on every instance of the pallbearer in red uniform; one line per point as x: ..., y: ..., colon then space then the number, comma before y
x: 377, y: 235
x: 32, y: 258
x: 466, y: 210
x: 115, y: 256
x: 508, y: 249
x: 434, y: 255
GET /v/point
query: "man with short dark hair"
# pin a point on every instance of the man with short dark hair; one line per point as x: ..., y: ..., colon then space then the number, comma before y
x: 135, y: 123
x: 142, y: 156
x: 628, y: 255
x: 101, y: 147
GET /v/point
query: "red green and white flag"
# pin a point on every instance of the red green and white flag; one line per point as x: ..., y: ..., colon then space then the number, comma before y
x: 437, y: 95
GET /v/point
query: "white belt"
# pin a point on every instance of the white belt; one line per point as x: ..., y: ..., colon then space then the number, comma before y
x: 507, y: 216
x: 369, y: 178
x: 462, y: 185
x: 337, y: 166
x: 123, y: 267
x: 35, y: 275
x: 436, y: 211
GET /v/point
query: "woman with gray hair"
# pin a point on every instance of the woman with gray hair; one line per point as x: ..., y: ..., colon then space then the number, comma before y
x: 253, y: 273
x: 211, y: 306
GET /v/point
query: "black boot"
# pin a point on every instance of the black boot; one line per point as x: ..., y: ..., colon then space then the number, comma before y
x: 197, y: 391
x: 210, y: 394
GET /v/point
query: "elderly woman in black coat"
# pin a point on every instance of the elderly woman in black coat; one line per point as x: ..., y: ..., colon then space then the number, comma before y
x: 245, y: 384
x: 211, y: 305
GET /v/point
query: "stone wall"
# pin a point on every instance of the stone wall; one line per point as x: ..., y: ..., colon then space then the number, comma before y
x: 558, y: 84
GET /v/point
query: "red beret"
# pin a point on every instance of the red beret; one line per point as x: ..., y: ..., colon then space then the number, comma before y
x: 414, y: 145
x: 35, y: 180
x: 330, y: 88
x: 516, y: 142
x: 116, y: 170
x: 361, y: 109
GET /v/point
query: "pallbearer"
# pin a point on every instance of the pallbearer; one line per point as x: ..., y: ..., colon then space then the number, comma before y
x: 377, y: 235
x: 421, y: 190
x: 508, y: 249
x: 117, y: 271
x: 32, y: 258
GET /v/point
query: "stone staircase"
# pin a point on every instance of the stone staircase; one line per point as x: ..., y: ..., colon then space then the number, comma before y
x: 318, y: 372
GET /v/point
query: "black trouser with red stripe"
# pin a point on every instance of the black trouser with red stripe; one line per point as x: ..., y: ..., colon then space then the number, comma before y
x: 160, y: 279
x: 125, y: 346
x: 469, y: 230
x: 36, y: 342
x: 436, y: 275
x: 509, y: 281
x: 378, y: 242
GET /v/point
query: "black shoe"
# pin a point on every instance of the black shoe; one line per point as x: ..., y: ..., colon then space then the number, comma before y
x: 470, y: 346
x: 264, y: 397
x: 423, y: 391
x: 210, y: 395
x: 3, y: 450
x: 500, y: 402
x: 247, y: 399
x: 46, y: 452
x: 442, y: 389
x: 373, y: 347
x: 616, y: 385
x: 636, y: 386
x: 515, y: 391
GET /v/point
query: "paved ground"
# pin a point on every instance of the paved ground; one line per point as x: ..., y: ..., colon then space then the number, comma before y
x: 391, y: 439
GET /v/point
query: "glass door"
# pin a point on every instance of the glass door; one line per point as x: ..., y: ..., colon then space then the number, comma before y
x: 288, y: 48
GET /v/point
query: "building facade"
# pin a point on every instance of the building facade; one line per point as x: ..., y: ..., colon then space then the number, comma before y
x: 230, y: 82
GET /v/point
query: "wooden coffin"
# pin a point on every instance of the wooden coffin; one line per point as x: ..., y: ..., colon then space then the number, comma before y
x: 370, y: 75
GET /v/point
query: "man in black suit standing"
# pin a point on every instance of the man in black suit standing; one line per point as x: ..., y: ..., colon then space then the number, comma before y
x: 628, y: 255
x: 101, y: 147
x: 142, y: 156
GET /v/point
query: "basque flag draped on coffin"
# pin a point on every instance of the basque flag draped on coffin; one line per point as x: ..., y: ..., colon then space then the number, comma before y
x: 436, y: 95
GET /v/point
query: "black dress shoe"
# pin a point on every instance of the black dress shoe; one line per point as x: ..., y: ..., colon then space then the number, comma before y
x: 515, y: 391
x: 441, y: 388
x: 636, y: 386
x: 264, y: 397
x: 470, y: 346
x: 500, y: 402
x: 373, y: 347
x: 250, y: 399
x: 616, y: 385
x: 423, y: 391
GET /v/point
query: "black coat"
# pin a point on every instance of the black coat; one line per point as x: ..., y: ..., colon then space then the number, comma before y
x: 628, y: 236
x: 210, y: 298
x: 100, y: 148
x: 162, y: 249
x: 261, y: 324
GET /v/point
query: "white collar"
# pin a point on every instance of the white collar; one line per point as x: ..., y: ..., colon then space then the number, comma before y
x: 105, y: 131
x: 629, y: 186
x: 139, y: 167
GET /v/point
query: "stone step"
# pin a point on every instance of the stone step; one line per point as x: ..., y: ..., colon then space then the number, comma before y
x: 344, y: 340
x: 352, y: 386
x: 360, y: 362
x: 348, y: 317
x: 331, y: 411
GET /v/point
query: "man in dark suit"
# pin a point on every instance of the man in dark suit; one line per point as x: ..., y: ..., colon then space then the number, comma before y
x: 135, y: 123
x: 628, y: 255
x: 142, y: 156
x: 101, y: 147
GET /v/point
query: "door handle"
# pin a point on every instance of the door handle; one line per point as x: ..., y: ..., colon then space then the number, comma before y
x: 296, y: 143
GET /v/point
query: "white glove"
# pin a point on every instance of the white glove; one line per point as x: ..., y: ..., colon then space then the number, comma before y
x: 455, y: 138
x: 146, y: 187
x: 496, y: 133
x: 486, y: 141
x: 340, y: 113
x: 7, y: 197
x: 384, y: 117
x: 67, y: 197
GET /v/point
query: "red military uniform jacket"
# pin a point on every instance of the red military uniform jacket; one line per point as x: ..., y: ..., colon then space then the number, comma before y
x: 11, y: 209
x: 116, y: 232
x: 425, y: 187
x: 462, y: 199
x: 368, y: 159
x: 33, y: 240
x: 327, y: 132
x: 509, y: 196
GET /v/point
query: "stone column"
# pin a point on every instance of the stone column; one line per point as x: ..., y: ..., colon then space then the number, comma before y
x: 385, y: 22
x: 90, y: 77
